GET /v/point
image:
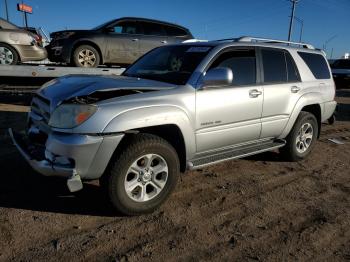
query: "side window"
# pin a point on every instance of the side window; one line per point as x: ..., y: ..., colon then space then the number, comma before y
x: 126, y: 28
x: 274, y: 65
x: 175, y: 31
x: 292, y: 70
x: 317, y: 65
x: 153, y: 29
x: 242, y: 64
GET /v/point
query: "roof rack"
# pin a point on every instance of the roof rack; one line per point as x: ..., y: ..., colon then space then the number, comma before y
x: 270, y: 41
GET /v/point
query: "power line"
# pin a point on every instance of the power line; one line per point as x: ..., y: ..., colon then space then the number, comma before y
x: 294, y: 2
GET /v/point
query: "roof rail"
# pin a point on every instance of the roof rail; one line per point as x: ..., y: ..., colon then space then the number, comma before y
x: 271, y: 41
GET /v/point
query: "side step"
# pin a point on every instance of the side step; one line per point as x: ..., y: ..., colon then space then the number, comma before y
x: 233, y: 153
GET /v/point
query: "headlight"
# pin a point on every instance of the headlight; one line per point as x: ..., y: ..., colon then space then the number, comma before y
x: 71, y: 115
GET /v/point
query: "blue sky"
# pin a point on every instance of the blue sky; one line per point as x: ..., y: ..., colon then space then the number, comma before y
x: 207, y: 19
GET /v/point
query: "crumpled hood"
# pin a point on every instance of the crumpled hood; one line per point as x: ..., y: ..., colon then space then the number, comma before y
x: 67, y: 87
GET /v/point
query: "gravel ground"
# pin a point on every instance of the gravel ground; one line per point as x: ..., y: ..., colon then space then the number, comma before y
x: 255, y: 209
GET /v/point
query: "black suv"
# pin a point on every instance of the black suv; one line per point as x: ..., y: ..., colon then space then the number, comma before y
x: 341, y: 73
x: 118, y: 42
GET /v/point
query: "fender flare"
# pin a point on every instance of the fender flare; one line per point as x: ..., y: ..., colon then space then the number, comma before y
x: 313, y: 98
x: 156, y: 116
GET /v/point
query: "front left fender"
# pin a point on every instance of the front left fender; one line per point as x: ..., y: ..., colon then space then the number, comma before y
x: 156, y: 116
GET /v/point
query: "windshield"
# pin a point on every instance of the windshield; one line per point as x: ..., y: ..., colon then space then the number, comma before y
x: 171, y: 64
x: 341, y: 64
x: 103, y: 25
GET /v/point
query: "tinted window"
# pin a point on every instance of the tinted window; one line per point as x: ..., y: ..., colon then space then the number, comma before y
x: 274, y: 64
x: 317, y: 65
x: 242, y: 64
x: 126, y: 28
x: 153, y: 29
x: 175, y: 31
x: 292, y: 70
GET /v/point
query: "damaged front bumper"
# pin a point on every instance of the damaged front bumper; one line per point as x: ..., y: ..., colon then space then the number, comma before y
x: 72, y: 156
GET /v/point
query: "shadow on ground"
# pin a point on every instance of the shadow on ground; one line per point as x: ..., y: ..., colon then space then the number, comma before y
x: 21, y: 187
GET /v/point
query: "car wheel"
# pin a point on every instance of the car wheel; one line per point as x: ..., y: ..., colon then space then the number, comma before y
x: 301, y: 138
x: 86, y: 56
x: 143, y: 175
x: 8, y: 55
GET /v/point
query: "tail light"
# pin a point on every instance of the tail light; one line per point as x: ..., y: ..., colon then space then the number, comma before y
x: 39, y: 39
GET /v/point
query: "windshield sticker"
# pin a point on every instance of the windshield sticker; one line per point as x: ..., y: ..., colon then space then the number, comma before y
x: 198, y: 49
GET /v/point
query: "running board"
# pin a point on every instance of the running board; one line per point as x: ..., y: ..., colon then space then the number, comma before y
x: 233, y: 153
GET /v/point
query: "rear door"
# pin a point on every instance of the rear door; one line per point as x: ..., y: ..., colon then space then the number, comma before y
x: 281, y: 83
x: 154, y: 35
x: 123, y: 42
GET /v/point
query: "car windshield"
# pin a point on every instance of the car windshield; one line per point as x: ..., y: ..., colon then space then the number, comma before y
x: 341, y: 64
x: 171, y: 64
x: 103, y: 25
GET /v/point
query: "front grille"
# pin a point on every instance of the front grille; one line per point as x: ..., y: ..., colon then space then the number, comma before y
x: 41, y: 108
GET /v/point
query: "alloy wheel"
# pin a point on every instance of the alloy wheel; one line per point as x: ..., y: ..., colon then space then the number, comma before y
x: 304, y: 137
x: 146, y: 177
x: 86, y: 58
x: 6, y: 56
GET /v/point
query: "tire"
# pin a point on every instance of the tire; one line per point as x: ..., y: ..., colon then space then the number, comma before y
x: 298, y: 147
x: 86, y: 56
x: 8, y: 55
x: 124, y: 185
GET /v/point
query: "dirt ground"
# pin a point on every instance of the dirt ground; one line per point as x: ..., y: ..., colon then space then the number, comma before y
x: 255, y: 209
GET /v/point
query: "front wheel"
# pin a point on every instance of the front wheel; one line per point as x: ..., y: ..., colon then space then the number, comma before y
x: 143, y: 175
x: 86, y: 56
x: 301, y: 138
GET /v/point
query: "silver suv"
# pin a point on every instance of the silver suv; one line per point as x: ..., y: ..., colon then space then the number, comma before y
x: 179, y: 107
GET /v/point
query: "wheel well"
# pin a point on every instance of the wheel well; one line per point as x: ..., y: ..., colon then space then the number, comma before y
x: 171, y: 133
x: 316, y: 111
x: 86, y: 42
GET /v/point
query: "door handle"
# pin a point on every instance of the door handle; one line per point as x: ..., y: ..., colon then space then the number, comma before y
x: 254, y: 93
x: 135, y: 40
x: 295, y: 89
x: 163, y: 41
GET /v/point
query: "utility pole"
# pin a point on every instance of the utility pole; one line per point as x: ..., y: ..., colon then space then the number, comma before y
x: 7, y: 11
x: 292, y: 19
x: 301, y: 21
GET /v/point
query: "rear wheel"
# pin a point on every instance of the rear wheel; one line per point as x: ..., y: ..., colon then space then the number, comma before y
x: 8, y: 55
x: 86, y: 56
x: 301, y: 138
x: 143, y: 175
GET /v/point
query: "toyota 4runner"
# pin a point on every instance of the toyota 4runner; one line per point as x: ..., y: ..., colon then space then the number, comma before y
x: 179, y: 107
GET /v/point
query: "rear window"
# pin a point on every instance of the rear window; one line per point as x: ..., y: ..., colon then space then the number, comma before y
x: 153, y: 29
x: 274, y: 64
x: 317, y: 64
x: 292, y: 70
x: 175, y: 31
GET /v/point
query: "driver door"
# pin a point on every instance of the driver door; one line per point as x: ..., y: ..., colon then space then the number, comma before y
x: 230, y: 115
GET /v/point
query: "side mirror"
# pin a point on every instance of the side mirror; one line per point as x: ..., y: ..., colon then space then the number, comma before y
x: 217, y: 77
